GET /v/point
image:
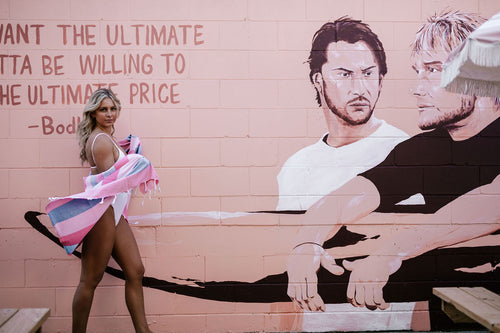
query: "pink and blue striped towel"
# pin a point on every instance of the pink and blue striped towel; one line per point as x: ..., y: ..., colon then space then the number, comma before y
x: 74, y: 216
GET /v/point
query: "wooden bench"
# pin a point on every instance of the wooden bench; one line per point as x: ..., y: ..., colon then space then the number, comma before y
x: 478, y: 304
x: 22, y: 320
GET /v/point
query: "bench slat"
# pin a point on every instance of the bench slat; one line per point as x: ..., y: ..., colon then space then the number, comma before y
x: 465, y: 300
x: 5, y: 314
x: 25, y: 321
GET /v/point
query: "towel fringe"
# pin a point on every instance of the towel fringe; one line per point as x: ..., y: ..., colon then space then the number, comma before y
x: 475, y: 57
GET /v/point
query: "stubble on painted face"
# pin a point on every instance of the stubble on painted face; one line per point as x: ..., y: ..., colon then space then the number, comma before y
x: 437, y: 108
x: 356, y: 105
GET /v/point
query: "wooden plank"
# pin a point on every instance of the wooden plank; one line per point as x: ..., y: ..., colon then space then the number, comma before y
x: 486, y: 295
x: 26, y: 321
x: 5, y: 315
x: 471, y: 306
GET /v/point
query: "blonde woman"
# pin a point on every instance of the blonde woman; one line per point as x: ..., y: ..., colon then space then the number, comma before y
x: 106, y: 199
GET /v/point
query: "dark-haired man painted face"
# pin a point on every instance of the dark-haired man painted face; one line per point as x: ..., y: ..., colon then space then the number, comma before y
x: 347, y: 65
x: 349, y: 83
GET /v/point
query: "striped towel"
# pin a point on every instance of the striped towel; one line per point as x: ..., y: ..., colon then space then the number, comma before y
x: 75, y: 215
x: 131, y: 145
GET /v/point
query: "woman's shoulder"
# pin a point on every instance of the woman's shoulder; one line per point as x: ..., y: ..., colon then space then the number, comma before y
x: 99, y: 141
x: 99, y: 136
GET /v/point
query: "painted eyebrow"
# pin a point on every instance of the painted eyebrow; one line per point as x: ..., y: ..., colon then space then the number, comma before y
x: 342, y: 69
x: 368, y: 68
x: 350, y: 71
x: 437, y: 62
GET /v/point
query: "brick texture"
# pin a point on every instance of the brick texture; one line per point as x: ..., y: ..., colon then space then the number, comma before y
x: 220, y: 95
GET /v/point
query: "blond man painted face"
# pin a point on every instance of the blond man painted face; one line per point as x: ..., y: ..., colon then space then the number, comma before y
x: 436, y: 106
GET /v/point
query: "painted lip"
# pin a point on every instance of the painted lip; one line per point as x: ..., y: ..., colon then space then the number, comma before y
x: 424, y: 106
x: 358, y: 104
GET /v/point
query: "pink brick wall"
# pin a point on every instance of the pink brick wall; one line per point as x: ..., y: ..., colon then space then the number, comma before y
x: 239, y: 104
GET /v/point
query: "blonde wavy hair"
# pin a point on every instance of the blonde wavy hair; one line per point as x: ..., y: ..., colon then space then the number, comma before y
x: 88, y: 123
x: 445, y: 30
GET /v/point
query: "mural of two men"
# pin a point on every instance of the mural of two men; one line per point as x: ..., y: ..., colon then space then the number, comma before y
x: 432, y: 174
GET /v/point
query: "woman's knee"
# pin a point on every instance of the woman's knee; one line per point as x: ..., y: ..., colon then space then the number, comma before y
x: 135, y: 271
x: 91, y: 280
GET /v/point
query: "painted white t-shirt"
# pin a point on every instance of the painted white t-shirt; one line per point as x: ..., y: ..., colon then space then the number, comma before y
x: 316, y: 170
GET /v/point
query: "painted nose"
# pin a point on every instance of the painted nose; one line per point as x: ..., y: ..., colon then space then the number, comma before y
x: 418, y: 88
x: 421, y: 84
x: 358, y: 87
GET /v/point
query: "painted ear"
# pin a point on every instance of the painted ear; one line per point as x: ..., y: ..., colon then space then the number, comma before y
x: 318, y: 81
x: 468, y: 102
x: 380, y: 79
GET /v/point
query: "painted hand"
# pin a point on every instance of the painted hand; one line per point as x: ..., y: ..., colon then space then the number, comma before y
x: 368, y: 278
x: 303, y: 264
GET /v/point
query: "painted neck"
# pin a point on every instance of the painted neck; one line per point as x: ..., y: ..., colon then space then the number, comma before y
x: 342, y: 133
x: 485, y: 113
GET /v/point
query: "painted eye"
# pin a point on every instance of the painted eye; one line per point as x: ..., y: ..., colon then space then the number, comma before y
x: 433, y: 69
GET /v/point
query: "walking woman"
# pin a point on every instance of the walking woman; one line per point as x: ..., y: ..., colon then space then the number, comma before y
x: 97, y: 217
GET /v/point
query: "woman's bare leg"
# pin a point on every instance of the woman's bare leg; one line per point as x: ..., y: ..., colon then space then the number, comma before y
x: 96, y: 251
x: 126, y: 253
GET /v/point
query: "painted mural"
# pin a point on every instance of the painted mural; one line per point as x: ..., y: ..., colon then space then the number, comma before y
x: 333, y: 197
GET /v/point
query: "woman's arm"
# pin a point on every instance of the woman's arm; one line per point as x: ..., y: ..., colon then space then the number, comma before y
x: 103, y: 153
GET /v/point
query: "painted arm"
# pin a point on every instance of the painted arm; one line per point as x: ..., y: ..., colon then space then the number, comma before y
x: 474, y: 214
x: 356, y: 199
